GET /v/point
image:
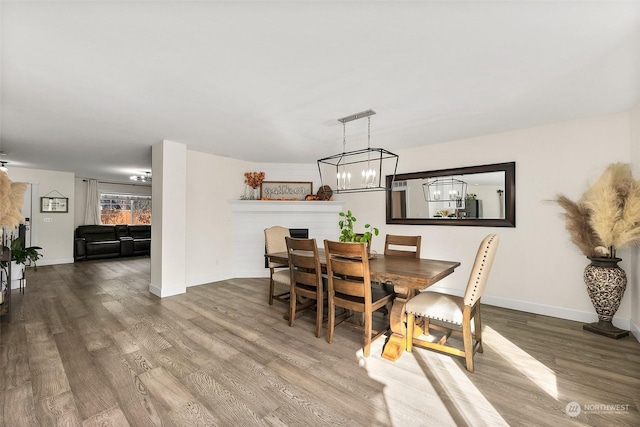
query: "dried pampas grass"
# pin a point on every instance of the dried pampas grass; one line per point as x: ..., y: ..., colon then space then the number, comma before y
x: 577, y: 224
x: 627, y: 229
x: 5, y: 194
x: 608, y: 213
x: 11, y: 201
x: 605, y: 200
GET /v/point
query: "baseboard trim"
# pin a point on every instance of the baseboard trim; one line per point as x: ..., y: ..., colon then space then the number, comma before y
x: 553, y: 311
x: 545, y: 310
x: 55, y: 261
x: 158, y: 291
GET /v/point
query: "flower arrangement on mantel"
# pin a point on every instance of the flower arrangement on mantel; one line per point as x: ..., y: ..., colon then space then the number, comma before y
x: 253, y: 179
x: 607, y: 216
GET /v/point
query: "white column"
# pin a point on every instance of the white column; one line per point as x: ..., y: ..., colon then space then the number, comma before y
x: 169, y: 212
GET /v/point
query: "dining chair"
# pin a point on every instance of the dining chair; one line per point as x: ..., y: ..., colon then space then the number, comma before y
x: 399, y: 246
x: 461, y: 315
x: 350, y: 288
x: 278, y: 273
x: 306, y: 279
x: 402, y: 246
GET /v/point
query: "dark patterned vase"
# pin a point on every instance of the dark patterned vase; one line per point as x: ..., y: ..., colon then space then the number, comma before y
x: 606, y: 283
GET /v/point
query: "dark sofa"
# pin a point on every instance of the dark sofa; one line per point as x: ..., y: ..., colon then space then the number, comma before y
x: 107, y: 241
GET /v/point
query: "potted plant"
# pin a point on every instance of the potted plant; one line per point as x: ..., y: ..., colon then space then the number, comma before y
x: 20, y: 257
x: 604, y: 219
x: 348, y: 235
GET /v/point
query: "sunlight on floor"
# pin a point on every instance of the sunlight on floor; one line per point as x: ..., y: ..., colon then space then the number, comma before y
x: 470, y: 403
x: 537, y: 372
x: 427, y: 388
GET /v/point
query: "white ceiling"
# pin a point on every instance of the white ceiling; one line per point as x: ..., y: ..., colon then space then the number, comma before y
x: 89, y: 87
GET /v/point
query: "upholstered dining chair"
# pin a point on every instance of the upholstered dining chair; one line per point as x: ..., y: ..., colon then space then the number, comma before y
x: 461, y: 315
x: 306, y: 279
x: 402, y: 246
x: 349, y: 286
x: 279, y: 273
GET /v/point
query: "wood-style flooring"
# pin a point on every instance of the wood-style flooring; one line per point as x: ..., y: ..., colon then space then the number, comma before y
x: 89, y: 345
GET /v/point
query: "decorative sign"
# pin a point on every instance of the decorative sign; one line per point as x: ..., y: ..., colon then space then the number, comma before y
x: 54, y: 204
x: 285, y: 190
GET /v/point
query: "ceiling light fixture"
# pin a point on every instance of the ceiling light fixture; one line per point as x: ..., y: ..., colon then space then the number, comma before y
x: 447, y: 189
x: 141, y: 178
x: 359, y: 170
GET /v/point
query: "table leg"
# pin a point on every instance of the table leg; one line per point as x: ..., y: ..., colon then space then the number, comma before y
x: 397, y: 343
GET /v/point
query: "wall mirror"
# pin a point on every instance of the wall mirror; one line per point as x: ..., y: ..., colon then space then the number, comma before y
x: 474, y: 196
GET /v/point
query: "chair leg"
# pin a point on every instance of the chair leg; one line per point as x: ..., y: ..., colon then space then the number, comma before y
x: 411, y: 318
x: 478, y: 328
x: 319, y: 305
x: 468, y: 345
x: 271, y: 288
x: 368, y: 329
x: 292, y: 305
x: 332, y: 320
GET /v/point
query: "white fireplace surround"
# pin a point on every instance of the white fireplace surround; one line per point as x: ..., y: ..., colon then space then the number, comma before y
x: 251, y: 217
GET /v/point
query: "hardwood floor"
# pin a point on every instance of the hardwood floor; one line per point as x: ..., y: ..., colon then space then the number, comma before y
x: 89, y: 345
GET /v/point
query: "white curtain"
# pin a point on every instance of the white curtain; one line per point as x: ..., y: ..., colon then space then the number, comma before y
x: 92, y: 212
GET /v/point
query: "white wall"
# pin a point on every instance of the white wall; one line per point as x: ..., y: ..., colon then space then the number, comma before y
x: 537, y: 268
x: 211, y: 182
x: 634, y: 275
x: 55, y: 237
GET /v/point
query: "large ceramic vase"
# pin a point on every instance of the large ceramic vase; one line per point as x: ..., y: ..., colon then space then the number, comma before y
x: 606, y: 283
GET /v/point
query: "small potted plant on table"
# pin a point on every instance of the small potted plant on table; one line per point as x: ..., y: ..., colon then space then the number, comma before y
x: 348, y: 235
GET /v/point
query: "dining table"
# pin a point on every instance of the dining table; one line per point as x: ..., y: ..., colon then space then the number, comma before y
x: 408, y: 276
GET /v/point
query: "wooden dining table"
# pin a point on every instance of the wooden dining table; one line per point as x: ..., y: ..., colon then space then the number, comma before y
x: 408, y: 276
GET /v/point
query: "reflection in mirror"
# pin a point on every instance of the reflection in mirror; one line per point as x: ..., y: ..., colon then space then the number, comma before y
x: 478, y: 195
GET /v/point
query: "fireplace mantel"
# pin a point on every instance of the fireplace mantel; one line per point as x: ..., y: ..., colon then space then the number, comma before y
x: 251, y: 217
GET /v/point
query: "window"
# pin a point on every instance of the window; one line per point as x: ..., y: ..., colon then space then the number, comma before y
x: 125, y: 209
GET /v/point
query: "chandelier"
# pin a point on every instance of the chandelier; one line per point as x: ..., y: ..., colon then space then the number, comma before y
x: 359, y: 170
x: 141, y: 178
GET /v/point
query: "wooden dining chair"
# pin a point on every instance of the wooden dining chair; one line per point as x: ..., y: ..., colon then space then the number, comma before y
x: 350, y: 288
x: 306, y: 279
x: 461, y: 315
x: 399, y: 246
x: 279, y: 274
x: 402, y: 246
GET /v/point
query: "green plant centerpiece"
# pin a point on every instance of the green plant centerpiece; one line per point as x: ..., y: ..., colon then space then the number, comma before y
x: 605, y: 218
x: 346, y: 229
